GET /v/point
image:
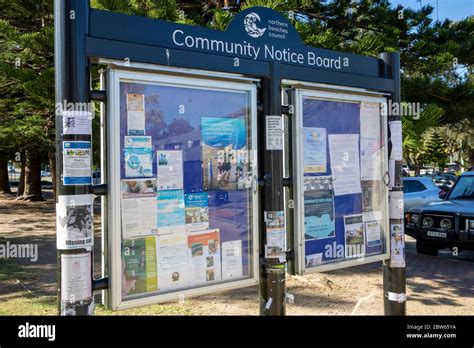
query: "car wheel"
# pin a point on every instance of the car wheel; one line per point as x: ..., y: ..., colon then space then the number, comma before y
x: 424, y: 249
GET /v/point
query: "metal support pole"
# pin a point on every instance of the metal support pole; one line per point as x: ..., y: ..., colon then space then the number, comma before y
x: 394, y: 282
x: 72, y: 89
x: 272, y: 270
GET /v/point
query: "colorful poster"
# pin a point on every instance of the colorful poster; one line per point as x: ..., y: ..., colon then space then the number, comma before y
x: 139, y: 266
x: 171, y: 214
x: 136, y: 114
x: 74, y: 222
x: 372, y: 232
x: 354, y: 236
x: 344, y: 154
x: 77, y: 163
x: 77, y: 122
x: 397, y: 243
x: 276, y: 234
x: 224, y: 153
x: 319, y: 221
x: 314, y: 145
x: 205, y: 256
x: 170, y: 169
x: 370, y: 142
x: 196, y: 211
x: 232, y: 260
x: 139, y: 208
x: 173, y: 261
x: 76, y: 282
x: 138, y: 156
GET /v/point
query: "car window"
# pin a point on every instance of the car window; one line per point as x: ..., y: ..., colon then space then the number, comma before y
x: 464, y: 188
x: 410, y: 186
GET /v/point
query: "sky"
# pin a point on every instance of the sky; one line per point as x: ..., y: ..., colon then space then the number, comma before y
x: 451, y: 9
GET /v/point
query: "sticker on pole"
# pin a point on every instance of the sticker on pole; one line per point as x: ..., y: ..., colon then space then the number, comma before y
x: 274, y: 131
x: 76, y: 280
x: 77, y: 163
x: 397, y: 245
x: 77, y: 122
x: 276, y: 235
x: 74, y: 222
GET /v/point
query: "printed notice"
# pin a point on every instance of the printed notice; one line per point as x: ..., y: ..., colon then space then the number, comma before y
x: 139, y: 208
x: 74, y: 222
x: 171, y: 214
x: 315, y: 150
x: 344, y: 154
x: 138, y: 156
x: 197, y: 211
x: 170, y: 169
x: 136, y: 114
x: 173, y: 261
x: 370, y: 142
x: 77, y: 122
x: 372, y: 233
x: 76, y: 282
x: 232, y: 260
x: 77, y: 163
x: 205, y: 256
x: 274, y: 128
x: 396, y: 204
x: 396, y: 139
x: 354, y: 236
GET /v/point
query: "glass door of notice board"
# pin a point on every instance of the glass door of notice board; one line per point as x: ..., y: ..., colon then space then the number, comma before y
x: 341, y: 186
x: 182, y: 207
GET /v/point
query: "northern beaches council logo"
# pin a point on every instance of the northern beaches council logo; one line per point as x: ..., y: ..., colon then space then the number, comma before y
x: 250, y: 23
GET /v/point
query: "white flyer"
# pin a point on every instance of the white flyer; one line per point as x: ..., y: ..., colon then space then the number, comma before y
x: 372, y: 233
x: 344, y: 155
x: 274, y: 132
x: 76, y: 281
x: 396, y: 204
x: 139, y: 209
x: 170, y: 169
x: 77, y: 122
x: 136, y: 114
x: 173, y: 261
x: 396, y: 139
x: 232, y: 260
x: 77, y: 168
x: 74, y: 222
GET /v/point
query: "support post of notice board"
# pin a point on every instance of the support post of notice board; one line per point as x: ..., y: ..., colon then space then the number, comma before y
x: 272, y: 269
x: 394, y: 281
x: 74, y: 202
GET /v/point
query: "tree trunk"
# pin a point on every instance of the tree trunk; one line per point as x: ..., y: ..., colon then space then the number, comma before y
x: 52, y: 168
x: 21, y: 183
x: 32, y: 176
x: 4, y: 181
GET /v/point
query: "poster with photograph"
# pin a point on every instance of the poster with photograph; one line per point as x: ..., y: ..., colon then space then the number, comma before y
x: 354, y: 236
x: 196, y: 207
x: 74, y: 222
x: 224, y: 153
x: 397, y: 245
x: 171, y: 214
x: 314, y: 145
x: 344, y: 155
x: 170, y: 169
x: 139, y: 208
x: 276, y: 234
x: 319, y: 219
x: 139, y: 266
x: 173, y: 261
x: 135, y: 114
x: 77, y: 122
x: 232, y: 260
x: 205, y: 256
x: 77, y: 163
x: 76, y: 282
x: 138, y: 156
x: 372, y: 232
x: 372, y: 195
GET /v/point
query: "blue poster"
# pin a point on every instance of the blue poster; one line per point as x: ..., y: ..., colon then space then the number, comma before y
x: 77, y: 163
x: 319, y: 220
x: 197, y: 211
x: 314, y: 150
x: 138, y: 156
x: 224, y: 153
x: 170, y: 204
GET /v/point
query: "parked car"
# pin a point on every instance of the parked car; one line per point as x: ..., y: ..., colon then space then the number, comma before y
x: 446, y: 223
x: 406, y: 170
x: 418, y: 191
x: 444, y: 181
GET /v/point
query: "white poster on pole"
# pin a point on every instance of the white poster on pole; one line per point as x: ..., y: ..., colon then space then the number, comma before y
x: 77, y: 122
x: 76, y: 280
x: 396, y: 139
x: 77, y: 163
x: 74, y: 218
x: 396, y: 205
x: 344, y: 155
x: 397, y: 243
x: 274, y: 132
